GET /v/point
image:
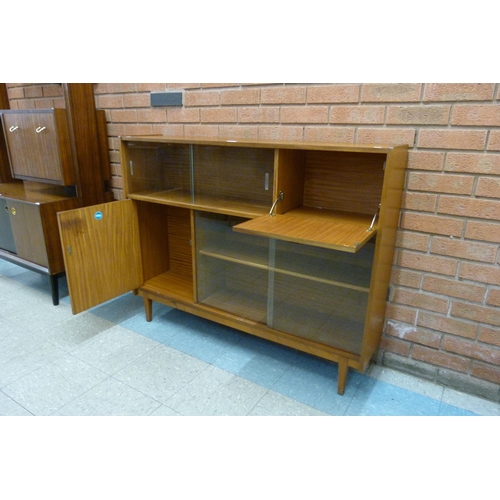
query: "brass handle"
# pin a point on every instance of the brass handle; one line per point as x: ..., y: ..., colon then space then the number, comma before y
x: 40, y: 129
x: 13, y: 211
x: 13, y: 128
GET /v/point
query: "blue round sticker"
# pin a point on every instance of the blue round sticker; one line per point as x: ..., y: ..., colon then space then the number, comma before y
x: 98, y: 216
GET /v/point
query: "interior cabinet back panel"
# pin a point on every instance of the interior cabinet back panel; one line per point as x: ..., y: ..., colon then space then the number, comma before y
x: 350, y: 182
x: 158, y: 167
x: 179, y: 241
x: 245, y: 174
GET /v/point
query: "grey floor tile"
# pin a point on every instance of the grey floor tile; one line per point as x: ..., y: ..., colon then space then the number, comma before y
x: 34, y: 310
x: 377, y: 398
x: 75, y: 331
x: 114, y: 349
x: 110, y: 398
x: 405, y: 381
x: 313, y: 381
x: 10, y: 331
x: 166, y: 323
x: 257, y: 360
x: 274, y: 404
x: 165, y: 411
x: 120, y: 309
x: 471, y: 403
x: 21, y: 353
x: 217, y: 392
x: 47, y: 389
x: 161, y: 372
x: 9, y: 408
x: 202, y: 338
x: 446, y: 410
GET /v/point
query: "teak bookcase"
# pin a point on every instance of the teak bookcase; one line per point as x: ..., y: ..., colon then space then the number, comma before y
x: 292, y: 242
x: 50, y: 160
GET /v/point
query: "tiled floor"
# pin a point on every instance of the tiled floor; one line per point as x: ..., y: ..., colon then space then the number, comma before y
x: 110, y: 361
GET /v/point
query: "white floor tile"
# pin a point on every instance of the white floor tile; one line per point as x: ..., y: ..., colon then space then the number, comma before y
x: 217, y: 392
x: 161, y: 372
x: 110, y: 398
x: 274, y: 404
x: 114, y: 349
x: 47, y: 389
x: 9, y: 408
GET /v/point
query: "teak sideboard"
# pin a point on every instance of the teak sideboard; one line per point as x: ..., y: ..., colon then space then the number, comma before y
x: 50, y: 160
x: 292, y: 242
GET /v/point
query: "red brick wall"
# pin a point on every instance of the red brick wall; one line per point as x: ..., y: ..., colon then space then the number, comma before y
x: 443, y: 316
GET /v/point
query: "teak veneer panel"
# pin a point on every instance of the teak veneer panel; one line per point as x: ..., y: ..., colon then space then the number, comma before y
x: 102, y: 239
x: 39, y: 145
x: 335, y: 230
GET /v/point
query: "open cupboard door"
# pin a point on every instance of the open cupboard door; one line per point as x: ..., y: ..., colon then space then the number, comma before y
x: 102, y: 253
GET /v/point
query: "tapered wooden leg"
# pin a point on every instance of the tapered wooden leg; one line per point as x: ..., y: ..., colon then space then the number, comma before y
x: 342, y: 377
x: 148, y: 308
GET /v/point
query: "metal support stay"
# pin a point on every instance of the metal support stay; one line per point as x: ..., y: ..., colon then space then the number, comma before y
x: 374, y: 219
x: 276, y: 201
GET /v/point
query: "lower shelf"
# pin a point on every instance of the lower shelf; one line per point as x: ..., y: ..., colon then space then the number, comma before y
x: 170, y: 285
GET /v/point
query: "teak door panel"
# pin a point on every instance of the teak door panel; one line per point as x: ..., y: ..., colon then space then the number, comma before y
x: 39, y: 146
x: 102, y: 254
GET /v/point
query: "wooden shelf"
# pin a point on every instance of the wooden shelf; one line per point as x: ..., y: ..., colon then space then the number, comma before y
x: 242, y: 304
x: 184, y: 199
x: 319, y: 270
x: 336, y: 230
x: 35, y: 192
x: 180, y: 286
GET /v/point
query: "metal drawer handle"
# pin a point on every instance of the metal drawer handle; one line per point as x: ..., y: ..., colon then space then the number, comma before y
x: 40, y: 129
x: 13, y: 128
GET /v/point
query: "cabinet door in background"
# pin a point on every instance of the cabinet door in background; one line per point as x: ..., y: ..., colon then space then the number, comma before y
x: 38, y: 145
x: 28, y: 232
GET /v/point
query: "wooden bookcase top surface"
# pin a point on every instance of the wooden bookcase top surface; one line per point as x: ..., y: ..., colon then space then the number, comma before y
x: 324, y: 146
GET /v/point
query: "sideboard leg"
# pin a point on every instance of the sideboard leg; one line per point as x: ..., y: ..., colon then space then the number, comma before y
x: 148, y: 308
x: 54, y: 288
x: 342, y: 377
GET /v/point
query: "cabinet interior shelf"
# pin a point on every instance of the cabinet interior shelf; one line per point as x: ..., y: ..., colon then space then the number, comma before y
x: 308, y: 269
x: 185, y: 199
x: 180, y: 286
